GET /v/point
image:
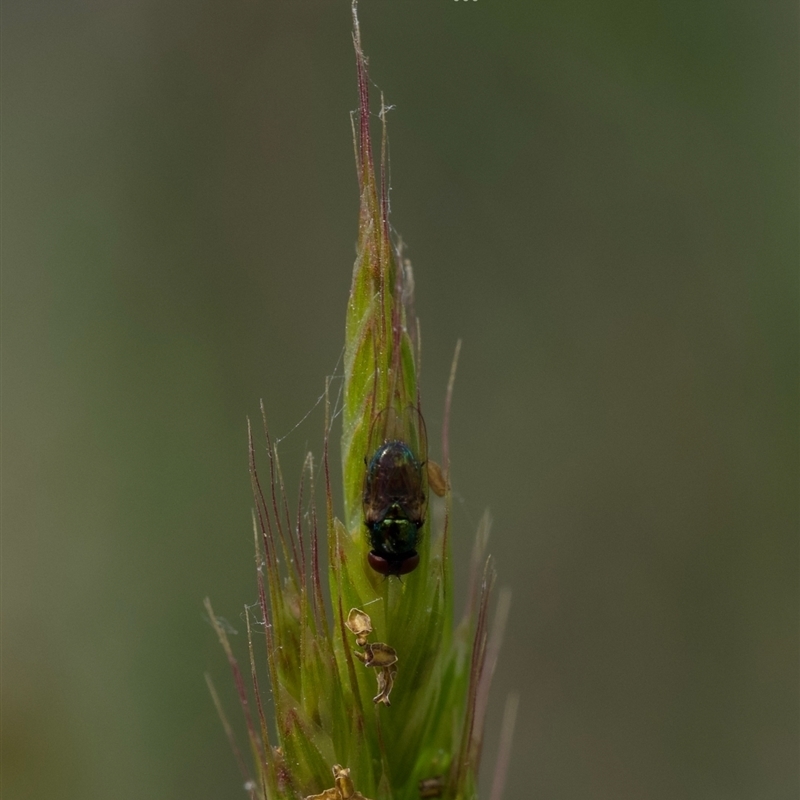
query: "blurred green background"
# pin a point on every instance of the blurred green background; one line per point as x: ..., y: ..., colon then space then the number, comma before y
x: 599, y: 198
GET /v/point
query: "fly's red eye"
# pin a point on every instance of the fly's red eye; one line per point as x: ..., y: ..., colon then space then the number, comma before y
x: 407, y: 564
x: 380, y: 565
x: 395, y: 567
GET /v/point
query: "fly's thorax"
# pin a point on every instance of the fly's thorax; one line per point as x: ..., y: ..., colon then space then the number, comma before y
x: 391, y: 461
x: 393, y: 536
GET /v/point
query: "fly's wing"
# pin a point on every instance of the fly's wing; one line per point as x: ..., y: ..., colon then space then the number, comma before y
x: 414, y: 434
x: 417, y: 439
x: 399, y: 426
x: 405, y: 426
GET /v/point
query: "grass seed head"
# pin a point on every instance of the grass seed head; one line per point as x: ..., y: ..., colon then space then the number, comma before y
x: 427, y: 744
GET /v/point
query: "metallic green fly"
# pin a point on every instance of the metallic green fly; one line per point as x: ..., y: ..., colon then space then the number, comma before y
x: 395, y: 497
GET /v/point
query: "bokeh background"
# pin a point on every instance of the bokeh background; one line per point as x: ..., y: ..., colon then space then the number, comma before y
x: 600, y: 199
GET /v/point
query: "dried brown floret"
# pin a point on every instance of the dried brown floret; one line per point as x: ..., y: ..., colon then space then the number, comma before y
x: 436, y: 479
x: 378, y: 655
x: 360, y: 624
